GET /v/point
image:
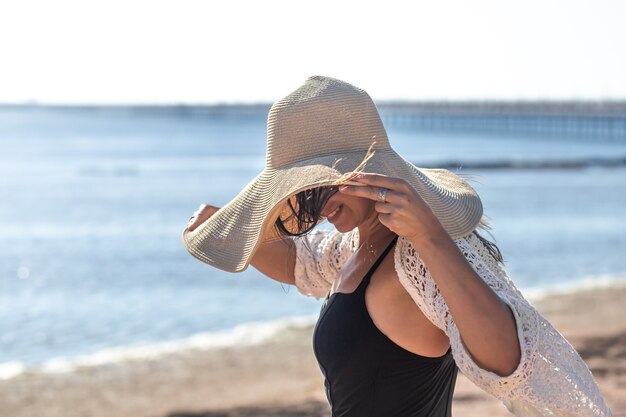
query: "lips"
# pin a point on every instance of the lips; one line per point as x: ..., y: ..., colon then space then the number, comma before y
x: 333, y: 213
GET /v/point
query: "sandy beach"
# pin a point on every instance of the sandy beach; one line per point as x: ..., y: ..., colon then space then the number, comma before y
x: 279, y: 377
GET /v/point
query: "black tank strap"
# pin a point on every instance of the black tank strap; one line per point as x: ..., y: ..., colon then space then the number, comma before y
x: 379, y: 260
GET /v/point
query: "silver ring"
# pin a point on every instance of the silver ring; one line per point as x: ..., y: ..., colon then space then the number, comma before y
x: 382, y: 193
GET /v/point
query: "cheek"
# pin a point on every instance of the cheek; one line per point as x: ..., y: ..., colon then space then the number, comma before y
x: 359, y: 206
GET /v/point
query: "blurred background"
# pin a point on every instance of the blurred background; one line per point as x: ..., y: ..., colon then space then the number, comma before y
x: 118, y: 119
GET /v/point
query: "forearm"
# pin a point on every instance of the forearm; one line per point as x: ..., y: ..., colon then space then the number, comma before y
x: 486, y: 324
x: 276, y: 259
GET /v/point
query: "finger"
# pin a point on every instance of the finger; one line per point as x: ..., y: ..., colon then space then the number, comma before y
x: 195, y: 222
x: 200, y: 216
x: 202, y: 208
x: 384, y: 208
x: 368, y: 192
x: 385, y: 219
x: 380, y: 180
x: 206, y: 211
x: 197, y: 212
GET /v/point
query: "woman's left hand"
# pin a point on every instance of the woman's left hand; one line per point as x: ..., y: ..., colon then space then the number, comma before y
x: 485, y: 322
x: 403, y: 210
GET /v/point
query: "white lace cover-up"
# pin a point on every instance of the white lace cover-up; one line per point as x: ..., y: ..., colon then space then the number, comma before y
x: 551, y: 378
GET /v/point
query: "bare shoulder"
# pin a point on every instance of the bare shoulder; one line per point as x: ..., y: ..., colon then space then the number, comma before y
x: 396, y: 315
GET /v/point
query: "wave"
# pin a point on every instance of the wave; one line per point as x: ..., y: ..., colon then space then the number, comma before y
x: 573, y: 164
x: 116, y: 171
x: 503, y: 164
x: 587, y: 284
x: 242, y: 335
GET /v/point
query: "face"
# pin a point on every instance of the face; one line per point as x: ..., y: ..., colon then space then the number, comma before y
x: 347, y: 212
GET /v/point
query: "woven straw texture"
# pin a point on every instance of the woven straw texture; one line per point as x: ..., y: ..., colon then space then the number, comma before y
x: 316, y: 134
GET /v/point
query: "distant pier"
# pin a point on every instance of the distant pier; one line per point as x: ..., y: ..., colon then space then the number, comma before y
x: 574, y: 119
x: 606, y: 119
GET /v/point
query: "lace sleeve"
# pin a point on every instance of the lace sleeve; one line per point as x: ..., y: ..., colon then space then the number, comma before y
x: 320, y: 255
x: 551, y: 378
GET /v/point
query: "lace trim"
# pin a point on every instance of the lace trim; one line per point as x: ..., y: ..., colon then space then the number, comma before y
x: 320, y: 255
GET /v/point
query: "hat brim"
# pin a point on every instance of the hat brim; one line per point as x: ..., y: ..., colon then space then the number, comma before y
x: 230, y: 237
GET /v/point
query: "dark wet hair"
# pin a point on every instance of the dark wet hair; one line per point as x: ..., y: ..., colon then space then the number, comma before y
x: 306, y: 208
x: 491, y: 247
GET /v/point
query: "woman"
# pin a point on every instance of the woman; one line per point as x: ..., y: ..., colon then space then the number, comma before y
x: 393, y: 329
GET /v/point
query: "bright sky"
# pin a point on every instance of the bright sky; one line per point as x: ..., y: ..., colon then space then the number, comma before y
x: 184, y: 51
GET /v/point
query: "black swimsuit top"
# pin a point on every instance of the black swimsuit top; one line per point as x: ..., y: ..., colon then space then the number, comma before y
x: 367, y: 374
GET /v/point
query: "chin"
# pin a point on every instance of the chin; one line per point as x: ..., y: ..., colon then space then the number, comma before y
x: 343, y: 228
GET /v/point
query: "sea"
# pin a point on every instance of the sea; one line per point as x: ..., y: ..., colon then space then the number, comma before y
x: 93, y: 202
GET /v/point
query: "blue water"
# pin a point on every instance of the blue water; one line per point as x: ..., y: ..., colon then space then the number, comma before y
x: 93, y: 203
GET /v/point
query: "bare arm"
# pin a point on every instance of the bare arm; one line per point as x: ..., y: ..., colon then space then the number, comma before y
x: 276, y: 259
x: 486, y: 323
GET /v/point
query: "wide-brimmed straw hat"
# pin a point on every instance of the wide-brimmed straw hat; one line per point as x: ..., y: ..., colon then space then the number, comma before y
x: 316, y: 135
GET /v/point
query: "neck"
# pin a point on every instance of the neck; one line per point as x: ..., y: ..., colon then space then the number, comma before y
x: 373, y: 230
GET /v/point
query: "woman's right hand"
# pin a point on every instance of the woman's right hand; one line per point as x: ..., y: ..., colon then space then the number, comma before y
x: 266, y: 254
x: 201, y: 215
